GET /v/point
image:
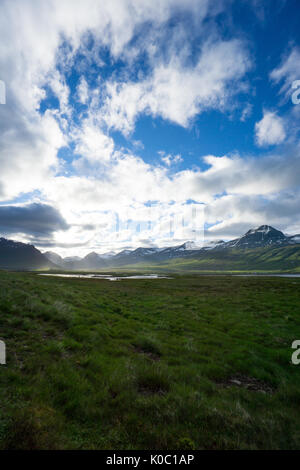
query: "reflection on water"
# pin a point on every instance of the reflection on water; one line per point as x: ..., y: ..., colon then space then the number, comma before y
x: 109, y: 277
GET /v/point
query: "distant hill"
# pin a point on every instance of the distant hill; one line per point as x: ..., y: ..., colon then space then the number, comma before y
x: 54, y: 258
x: 91, y: 261
x: 16, y: 255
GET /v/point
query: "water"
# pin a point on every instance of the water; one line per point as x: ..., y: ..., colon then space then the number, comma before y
x: 267, y: 275
x: 109, y: 277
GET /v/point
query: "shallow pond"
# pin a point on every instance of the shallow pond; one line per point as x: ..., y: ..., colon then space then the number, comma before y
x: 109, y: 277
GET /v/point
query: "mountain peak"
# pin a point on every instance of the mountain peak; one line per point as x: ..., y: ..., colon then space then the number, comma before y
x: 266, y: 230
x: 260, y: 236
x: 18, y: 255
x: 191, y: 245
x: 53, y: 257
x: 92, y: 255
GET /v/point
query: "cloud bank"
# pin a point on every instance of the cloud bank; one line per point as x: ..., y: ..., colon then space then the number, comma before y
x: 60, y: 153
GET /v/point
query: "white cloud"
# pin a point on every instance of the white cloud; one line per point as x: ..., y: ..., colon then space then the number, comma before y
x: 178, y: 92
x: 91, y: 143
x: 232, y: 216
x: 288, y: 71
x: 28, y: 153
x: 61, y: 90
x: 270, y: 130
x: 169, y: 159
x: 106, y: 179
x: 237, y: 192
x: 33, y: 38
x: 247, y: 111
x: 83, y: 91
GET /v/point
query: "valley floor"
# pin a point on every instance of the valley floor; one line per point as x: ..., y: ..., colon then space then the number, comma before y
x: 193, y: 362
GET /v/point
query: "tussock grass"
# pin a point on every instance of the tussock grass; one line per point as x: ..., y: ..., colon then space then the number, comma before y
x: 148, y: 346
x: 93, y: 364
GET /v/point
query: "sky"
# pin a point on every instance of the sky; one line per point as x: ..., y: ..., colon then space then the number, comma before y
x: 133, y: 123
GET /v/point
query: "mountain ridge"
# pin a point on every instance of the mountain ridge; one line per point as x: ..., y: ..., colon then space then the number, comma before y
x: 262, y: 236
x: 18, y: 255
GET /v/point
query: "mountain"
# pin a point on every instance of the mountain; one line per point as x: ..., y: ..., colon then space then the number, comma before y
x: 190, y: 245
x: 132, y: 256
x: 54, y: 258
x: 294, y: 239
x: 107, y: 255
x: 214, y: 244
x: 218, y: 254
x: 264, y: 235
x: 71, y: 259
x: 260, y: 259
x: 17, y: 255
x: 92, y: 261
x: 123, y: 253
x: 261, y: 248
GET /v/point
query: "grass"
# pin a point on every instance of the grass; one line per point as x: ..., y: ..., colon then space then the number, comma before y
x: 194, y: 362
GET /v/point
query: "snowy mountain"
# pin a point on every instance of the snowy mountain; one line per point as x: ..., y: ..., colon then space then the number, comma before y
x: 191, y: 245
x: 264, y: 236
x: 214, y: 244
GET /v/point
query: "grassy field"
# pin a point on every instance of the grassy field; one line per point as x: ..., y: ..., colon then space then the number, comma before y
x: 194, y: 362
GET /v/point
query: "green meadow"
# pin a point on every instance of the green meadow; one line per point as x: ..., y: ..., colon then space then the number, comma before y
x: 192, y: 362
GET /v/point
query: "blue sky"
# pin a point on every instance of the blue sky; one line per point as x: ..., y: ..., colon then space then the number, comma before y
x: 131, y: 111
